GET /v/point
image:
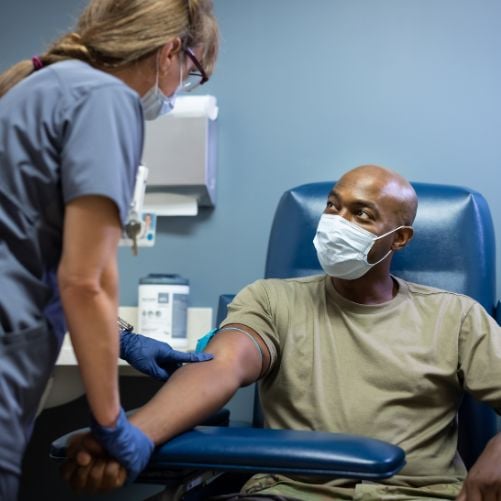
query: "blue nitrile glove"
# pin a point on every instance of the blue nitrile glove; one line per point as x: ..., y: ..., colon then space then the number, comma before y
x: 154, y: 358
x: 126, y: 443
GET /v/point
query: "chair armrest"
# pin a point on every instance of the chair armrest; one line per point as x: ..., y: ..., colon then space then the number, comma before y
x: 259, y: 450
x: 255, y: 450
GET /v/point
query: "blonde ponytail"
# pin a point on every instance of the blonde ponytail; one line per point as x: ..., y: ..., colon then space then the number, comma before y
x: 15, y: 74
x: 116, y: 33
x: 69, y: 46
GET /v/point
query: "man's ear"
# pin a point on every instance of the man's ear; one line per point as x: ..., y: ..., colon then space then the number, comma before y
x: 402, y: 237
x: 167, y: 53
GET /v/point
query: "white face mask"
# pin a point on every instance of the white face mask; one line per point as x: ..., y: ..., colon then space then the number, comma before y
x: 342, y: 247
x: 155, y: 102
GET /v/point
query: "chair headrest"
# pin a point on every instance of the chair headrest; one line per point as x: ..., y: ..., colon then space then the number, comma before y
x: 453, y: 246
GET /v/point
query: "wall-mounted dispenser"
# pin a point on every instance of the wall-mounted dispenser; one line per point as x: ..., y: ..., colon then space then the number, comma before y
x: 180, y: 153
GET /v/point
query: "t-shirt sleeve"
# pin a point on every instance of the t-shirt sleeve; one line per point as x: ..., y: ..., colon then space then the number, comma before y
x: 480, y: 356
x: 251, y: 307
x: 102, y: 147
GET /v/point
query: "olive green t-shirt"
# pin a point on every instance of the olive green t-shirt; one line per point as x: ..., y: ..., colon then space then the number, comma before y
x: 394, y: 371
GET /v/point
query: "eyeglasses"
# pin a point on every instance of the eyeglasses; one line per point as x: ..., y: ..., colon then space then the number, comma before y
x: 196, y: 76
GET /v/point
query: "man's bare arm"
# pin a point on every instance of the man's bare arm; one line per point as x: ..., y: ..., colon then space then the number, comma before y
x: 196, y: 391
x: 484, y: 478
x: 193, y: 393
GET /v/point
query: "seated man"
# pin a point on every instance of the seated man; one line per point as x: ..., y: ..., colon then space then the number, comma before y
x: 354, y: 351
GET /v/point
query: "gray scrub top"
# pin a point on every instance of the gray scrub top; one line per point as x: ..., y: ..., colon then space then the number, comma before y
x: 66, y: 131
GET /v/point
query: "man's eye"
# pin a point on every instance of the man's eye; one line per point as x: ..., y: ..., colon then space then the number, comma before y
x: 363, y: 214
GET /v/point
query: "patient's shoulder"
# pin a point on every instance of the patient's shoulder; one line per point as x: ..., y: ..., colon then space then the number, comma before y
x: 291, y: 284
x: 434, y: 293
x: 285, y: 289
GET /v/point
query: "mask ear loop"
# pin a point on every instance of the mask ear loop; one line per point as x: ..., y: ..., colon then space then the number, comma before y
x: 392, y: 231
x: 182, y: 61
x: 381, y: 236
x: 158, y: 72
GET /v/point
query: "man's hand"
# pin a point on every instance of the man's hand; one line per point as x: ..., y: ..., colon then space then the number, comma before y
x: 154, y: 358
x: 89, y: 468
x: 483, y: 482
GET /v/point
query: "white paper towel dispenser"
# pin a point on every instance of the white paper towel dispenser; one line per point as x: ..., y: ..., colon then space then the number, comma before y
x: 180, y: 153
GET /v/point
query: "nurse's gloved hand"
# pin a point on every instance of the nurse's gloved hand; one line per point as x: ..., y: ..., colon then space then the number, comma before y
x: 126, y: 443
x: 154, y: 358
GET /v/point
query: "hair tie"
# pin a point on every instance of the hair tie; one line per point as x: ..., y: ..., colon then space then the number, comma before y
x: 37, y: 63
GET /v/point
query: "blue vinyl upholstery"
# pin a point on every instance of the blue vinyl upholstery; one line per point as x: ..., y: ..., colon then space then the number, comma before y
x: 256, y: 450
x: 453, y: 247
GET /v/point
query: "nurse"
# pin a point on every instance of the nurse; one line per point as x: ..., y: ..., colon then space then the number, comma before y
x: 71, y: 138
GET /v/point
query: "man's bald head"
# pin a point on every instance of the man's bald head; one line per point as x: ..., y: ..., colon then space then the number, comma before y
x: 384, y: 186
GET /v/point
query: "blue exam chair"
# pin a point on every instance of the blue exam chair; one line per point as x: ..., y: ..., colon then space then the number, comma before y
x: 453, y: 249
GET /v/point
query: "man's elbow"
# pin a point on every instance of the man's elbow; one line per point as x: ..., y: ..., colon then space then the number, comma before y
x: 235, y: 368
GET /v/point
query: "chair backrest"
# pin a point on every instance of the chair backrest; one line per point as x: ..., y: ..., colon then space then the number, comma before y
x: 453, y: 249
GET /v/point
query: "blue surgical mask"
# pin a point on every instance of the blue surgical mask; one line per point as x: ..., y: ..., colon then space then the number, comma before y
x: 155, y: 102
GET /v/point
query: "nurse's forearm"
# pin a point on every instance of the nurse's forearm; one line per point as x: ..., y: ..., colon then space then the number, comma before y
x: 88, y: 283
x: 91, y: 317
